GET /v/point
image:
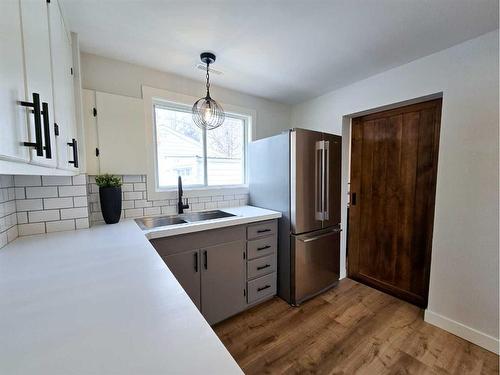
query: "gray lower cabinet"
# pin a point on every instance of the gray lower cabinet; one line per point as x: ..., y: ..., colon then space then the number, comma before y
x: 224, y: 271
x: 223, y: 281
x: 186, y: 269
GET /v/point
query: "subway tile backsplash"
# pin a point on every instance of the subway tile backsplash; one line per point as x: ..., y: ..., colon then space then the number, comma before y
x: 135, y: 202
x: 8, y: 217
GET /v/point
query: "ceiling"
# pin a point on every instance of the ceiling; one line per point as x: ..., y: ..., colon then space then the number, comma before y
x: 284, y: 50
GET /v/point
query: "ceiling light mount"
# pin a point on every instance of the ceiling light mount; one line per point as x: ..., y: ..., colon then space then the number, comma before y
x: 207, y: 113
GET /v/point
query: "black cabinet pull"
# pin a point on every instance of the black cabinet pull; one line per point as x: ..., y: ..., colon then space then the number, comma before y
x: 263, y: 230
x: 263, y: 247
x: 205, y: 260
x: 196, y: 262
x: 46, y: 130
x: 262, y: 267
x: 74, y: 144
x: 263, y: 288
x: 37, y: 112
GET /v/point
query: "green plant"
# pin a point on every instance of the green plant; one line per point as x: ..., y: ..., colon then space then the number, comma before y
x: 108, y: 180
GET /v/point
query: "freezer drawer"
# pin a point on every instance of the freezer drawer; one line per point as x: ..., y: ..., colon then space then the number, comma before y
x: 317, y: 263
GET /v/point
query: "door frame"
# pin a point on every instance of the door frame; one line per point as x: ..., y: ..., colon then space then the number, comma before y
x: 420, y: 103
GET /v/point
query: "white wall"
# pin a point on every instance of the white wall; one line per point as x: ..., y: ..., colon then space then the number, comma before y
x: 118, y: 77
x: 464, y: 284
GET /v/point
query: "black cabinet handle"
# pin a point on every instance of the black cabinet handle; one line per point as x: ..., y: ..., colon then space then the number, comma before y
x: 262, y: 267
x: 205, y: 260
x: 46, y: 130
x: 74, y: 144
x: 263, y: 288
x: 263, y: 230
x: 196, y: 262
x: 37, y: 112
x: 263, y: 247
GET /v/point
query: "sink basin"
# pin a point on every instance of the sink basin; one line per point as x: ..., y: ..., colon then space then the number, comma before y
x: 205, y: 215
x: 158, y: 221
x: 190, y: 217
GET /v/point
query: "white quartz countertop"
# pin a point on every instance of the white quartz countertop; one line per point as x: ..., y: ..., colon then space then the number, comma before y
x: 101, y: 301
x: 243, y: 215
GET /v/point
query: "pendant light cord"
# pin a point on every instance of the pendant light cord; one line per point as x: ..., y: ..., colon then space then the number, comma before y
x: 208, y: 81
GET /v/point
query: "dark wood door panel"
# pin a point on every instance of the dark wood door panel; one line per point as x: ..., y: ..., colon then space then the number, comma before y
x: 393, y: 174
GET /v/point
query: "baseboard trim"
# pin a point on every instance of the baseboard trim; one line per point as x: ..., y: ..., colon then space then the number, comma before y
x: 470, y: 334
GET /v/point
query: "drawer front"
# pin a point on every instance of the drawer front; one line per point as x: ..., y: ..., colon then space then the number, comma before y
x: 261, y: 266
x: 262, y: 246
x: 262, y: 287
x: 262, y: 229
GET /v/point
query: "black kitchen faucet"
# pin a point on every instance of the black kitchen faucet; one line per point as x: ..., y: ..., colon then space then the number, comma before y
x: 180, y: 205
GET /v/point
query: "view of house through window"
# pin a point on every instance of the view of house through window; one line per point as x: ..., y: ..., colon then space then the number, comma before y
x: 202, y: 158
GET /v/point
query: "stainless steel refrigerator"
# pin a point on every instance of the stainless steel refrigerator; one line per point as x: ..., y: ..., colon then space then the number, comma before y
x: 298, y: 173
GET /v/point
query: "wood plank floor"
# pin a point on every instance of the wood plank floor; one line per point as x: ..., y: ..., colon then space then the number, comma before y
x: 352, y: 329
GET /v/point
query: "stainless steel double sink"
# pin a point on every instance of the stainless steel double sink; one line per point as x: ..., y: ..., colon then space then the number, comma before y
x: 190, y: 217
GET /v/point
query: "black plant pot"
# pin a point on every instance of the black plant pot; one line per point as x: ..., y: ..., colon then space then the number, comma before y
x: 111, y: 203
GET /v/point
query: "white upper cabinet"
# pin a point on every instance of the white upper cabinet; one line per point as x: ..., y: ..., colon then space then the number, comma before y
x: 62, y: 80
x: 38, y: 74
x: 36, y: 90
x: 12, y: 116
x: 117, y: 131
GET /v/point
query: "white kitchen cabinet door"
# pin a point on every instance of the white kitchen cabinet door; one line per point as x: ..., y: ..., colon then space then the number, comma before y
x: 13, y: 124
x: 90, y: 131
x: 121, y: 134
x: 38, y: 73
x: 64, y: 96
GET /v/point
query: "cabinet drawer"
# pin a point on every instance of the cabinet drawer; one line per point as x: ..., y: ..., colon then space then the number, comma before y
x: 264, y: 286
x: 262, y: 246
x: 262, y: 229
x: 261, y: 266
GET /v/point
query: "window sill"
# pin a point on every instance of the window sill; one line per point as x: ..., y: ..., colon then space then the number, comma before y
x: 197, y: 192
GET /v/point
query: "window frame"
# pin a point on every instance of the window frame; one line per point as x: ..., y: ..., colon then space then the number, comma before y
x: 187, y: 109
x: 152, y: 96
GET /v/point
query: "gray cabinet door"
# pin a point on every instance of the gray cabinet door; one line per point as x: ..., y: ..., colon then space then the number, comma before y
x: 186, y: 269
x: 223, y: 278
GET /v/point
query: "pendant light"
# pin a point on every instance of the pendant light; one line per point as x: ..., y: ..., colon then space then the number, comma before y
x: 207, y: 113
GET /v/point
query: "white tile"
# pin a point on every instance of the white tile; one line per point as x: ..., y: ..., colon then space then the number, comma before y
x: 130, y: 178
x: 51, y: 203
x: 217, y: 198
x: 169, y: 210
x: 3, y: 239
x: 27, y: 181
x: 80, y: 201
x: 128, y: 187
x: 134, y: 212
x: 29, y: 204
x: 41, y: 192
x: 228, y: 197
x: 39, y: 216
x: 58, y: 226
x: 204, y: 199
x: 22, y: 217
x: 149, y: 211
x: 10, y: 207
x: 72, y: 213
x: 11, y: 193
x: 197, y: 206
x: 6, y: 181
x: 91, y: 179
x: 243, y: 202
x: 210, y: 205
x: 141, y: 186
x: 132, y: 195
x: 56, y: 180
x: 12, y: 233
x: 29, y: 229
x: 81, y: 179
x: 96, y: 207
x: 159, y: 203
x: 72, y: 191
x: 127, y: 204
x: 82, y: 223
x: 223, y: 204
x: 19, y: 193
x: 142, y: 203
x: 96, y: 217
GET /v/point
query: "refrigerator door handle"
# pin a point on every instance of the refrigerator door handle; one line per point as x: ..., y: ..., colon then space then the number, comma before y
x: 310, y: 239
x: 326, y: 178
x: 319, y: 193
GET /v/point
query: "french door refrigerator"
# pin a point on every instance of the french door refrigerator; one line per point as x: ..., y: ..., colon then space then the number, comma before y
x: 298, y: 173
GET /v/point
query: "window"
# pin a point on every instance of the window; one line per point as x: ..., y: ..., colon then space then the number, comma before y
x: 202, y: 158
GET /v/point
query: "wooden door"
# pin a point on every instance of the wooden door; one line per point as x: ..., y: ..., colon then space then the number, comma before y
x: 223, y: 280
x: 186, y: 269
x: 393, y: 183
